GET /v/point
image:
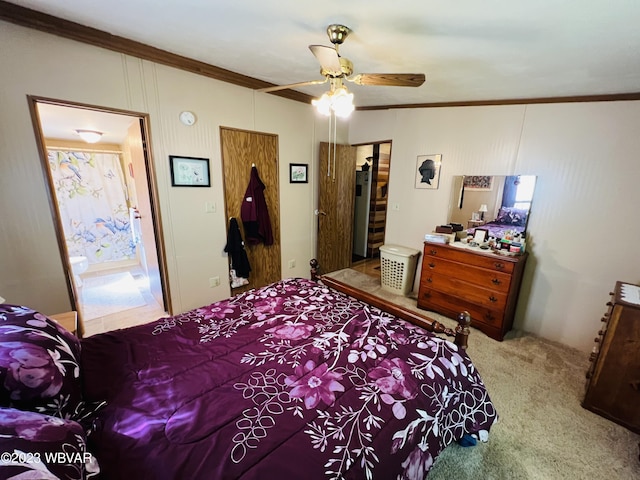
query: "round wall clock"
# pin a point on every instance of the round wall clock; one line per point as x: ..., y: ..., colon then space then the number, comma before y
x: 188, y: 118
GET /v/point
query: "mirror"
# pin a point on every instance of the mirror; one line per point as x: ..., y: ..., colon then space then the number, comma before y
x: 499, y: 204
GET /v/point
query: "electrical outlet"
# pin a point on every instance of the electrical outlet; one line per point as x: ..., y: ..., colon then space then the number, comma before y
x: 292, y: 264
x: 214, y: 281
x: 210, y: 207
x: 396, y: 206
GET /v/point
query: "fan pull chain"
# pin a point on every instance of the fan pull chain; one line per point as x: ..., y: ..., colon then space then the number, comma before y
x: 329, y: 150
x: 335, y: 135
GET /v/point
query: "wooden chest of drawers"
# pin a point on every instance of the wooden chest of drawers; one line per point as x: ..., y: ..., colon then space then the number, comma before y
x: 613, y: 385
x: 483, y: 283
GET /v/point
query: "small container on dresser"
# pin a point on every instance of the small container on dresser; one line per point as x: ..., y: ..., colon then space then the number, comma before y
x: 613, y: 377
x: 481, y: 282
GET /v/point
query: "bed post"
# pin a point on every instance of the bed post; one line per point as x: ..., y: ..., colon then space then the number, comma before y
x: 314, y: 269
x: 462, y: 330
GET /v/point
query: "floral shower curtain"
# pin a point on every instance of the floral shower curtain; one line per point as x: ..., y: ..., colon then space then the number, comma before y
x: 92, y: 200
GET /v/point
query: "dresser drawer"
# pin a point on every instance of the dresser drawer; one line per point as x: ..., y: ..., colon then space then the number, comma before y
x: 465, y: 291
x: 613, y: 389
x: 478, y: 258
x: 430, y: 299
x: 494, y: 280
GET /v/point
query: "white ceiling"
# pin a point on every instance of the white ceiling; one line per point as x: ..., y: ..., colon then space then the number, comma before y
x: 61, y: 123
x: 470, y: 50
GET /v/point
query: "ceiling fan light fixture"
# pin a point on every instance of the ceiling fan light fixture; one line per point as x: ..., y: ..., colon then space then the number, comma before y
x: 89, y: 136
x: 339, y: 102
x: 323, y: 104
x: 342, y: 104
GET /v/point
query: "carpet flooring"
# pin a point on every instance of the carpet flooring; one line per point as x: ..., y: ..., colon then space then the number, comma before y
x: 543, y: 433
x: 107, y: 294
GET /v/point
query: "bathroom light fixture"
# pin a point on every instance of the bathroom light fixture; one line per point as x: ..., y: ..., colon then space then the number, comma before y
x: 89, y: 136
x: 337, y: 101
x: 483, y: 210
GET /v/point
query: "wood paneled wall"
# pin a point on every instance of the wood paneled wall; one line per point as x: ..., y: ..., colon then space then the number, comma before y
x: 240, y: 150
x: 378, y: 202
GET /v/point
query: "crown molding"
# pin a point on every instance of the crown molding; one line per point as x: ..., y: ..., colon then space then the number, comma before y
x: 26, y: 17
x: 74, y: 31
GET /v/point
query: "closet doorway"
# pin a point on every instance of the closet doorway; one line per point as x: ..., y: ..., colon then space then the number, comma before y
x: 104, y: 203
x: 352, y: 205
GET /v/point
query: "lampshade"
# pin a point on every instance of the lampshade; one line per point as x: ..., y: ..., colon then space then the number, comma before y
x: 483, y: 208
x: 1, y: 300
x: 89, y: 136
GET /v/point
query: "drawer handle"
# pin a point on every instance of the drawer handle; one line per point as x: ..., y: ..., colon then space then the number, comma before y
x: 493, y: 299
x: 499, y: 265
x: 496, y: 281
x: 433, y: 251
x: 432, y: 265
x: 489, y: 318
x: 635, y: 385
x: 429, y: 280
x: 426, y: 295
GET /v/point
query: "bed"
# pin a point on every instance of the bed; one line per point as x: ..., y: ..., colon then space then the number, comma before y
x: 293, y: 380
x: 509, y: 220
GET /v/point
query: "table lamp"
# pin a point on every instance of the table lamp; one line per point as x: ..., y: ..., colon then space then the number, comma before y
x: 482, y: 210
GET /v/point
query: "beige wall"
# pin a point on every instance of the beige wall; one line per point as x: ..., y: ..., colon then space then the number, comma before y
x: 584, y: 221
x: 583, y: 224
x: 35, y: 63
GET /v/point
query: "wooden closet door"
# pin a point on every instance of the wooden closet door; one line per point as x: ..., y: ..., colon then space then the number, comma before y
x: 240, y: 150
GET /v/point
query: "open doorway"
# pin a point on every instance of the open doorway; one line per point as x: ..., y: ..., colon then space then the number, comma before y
x: 102, y: 196
x: 373, y: 162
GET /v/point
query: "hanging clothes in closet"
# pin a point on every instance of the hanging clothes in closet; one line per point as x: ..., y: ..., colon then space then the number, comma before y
x: 254, y: 212
x: 240, y: 266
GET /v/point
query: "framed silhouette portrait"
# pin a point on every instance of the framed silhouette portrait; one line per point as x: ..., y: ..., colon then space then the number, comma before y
x: 428, y: 171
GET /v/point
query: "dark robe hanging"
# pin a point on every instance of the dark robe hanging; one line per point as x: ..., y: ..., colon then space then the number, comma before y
x: 254, y: 213
x: 235, y: 248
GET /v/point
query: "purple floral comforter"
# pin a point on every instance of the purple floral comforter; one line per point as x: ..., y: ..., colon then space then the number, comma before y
x: 293, y: 380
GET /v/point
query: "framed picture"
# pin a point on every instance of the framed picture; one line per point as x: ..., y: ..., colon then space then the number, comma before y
x: 189, y: 171
x: 479, y: 183
x: 298, y: 173
x: 428, y: 171
x: 480, y: 235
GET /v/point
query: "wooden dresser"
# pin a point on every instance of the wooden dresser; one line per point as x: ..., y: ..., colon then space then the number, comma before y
x: 613, y: 378
x: 483, y: 283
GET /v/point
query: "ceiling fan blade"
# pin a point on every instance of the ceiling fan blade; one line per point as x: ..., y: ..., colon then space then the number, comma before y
x: 328, y: 58
x: 292, y: 85
x: 389, y: 79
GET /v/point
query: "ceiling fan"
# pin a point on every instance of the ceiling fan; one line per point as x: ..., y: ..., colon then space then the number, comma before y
x: 336, y: 68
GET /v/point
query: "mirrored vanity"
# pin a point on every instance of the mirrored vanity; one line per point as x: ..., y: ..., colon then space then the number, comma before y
x: 472, y: 276
x: 498, y: 204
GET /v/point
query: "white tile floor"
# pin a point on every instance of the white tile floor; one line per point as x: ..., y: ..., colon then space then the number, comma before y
x: 128, y: 316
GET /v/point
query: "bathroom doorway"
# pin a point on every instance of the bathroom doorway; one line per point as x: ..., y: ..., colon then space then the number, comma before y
x: 102, y: 194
